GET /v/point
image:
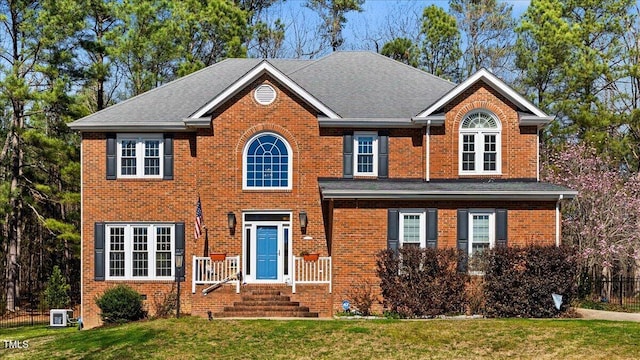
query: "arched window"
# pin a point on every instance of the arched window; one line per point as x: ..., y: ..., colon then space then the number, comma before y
x: 267, y: 162
x: 480, y: 144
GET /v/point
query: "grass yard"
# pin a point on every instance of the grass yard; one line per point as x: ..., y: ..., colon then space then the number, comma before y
x: 192, y: 338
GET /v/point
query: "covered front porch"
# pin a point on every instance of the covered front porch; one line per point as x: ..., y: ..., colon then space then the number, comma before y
x: 214, y: 272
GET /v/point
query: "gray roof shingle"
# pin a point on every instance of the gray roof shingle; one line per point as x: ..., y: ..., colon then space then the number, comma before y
x: 352, y: 84
x: 442, y: 189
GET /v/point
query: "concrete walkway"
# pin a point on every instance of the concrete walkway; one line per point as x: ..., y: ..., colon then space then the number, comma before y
x: 589, y: 314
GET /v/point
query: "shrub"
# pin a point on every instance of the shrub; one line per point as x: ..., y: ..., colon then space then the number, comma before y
x: 362, y: 297
x: 165, y: 304
x: 56, y: 295
x: 120, y: 304
x: 421, y: 282
x: 519, y: 281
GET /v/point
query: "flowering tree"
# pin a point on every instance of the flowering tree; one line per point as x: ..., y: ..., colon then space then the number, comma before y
x: 603, y: 221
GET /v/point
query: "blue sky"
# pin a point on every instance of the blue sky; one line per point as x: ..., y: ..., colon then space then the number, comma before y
x: 380, y: 21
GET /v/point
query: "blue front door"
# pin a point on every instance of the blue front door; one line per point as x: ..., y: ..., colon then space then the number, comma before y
x: 267, y: 253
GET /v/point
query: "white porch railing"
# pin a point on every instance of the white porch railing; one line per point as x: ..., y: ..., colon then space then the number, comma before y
x: 207, y: 272
x: 311, y: 272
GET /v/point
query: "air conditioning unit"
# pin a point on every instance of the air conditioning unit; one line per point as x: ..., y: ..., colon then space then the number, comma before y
x: 60, y: 317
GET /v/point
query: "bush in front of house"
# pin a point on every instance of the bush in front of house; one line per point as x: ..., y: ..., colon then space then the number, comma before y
x: 120, y: 304
x: 519, y: 282
x: 421, y: 282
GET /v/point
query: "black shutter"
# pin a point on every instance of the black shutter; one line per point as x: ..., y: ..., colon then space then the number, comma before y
x: 168, y: 157
x: 501, y: 227
x: 98, y: 252
x: 111, y: 157
x: 463, y: 238
x: 393, y: 231
x: 383, y: 156
x: 347, y: 156
x: 432, y: 228
x: 180, y: 248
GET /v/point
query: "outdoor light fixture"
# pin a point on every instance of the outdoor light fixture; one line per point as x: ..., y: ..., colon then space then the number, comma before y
x: 179, y: 265
x: 231, y: 220
x: 303, y: 221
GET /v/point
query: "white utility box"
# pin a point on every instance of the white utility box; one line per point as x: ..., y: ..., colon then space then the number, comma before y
x: 60, y: 317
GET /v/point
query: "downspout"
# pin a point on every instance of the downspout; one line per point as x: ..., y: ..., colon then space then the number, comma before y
x: 428, y: 157
x: 558, y: 216
x: 538, y: 155
x: 82, y: 239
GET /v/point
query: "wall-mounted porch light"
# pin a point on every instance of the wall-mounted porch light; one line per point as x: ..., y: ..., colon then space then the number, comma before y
x: 303, y: 221
x: 231, y: 221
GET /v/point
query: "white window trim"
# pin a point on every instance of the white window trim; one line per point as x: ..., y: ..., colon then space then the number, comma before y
x: 140, y: 139
x: 244, y: 164
x: 479, y: 146
x: 356, y: 136
x: 128, y: 251
x: 423, y: 226
x: 492, y: 227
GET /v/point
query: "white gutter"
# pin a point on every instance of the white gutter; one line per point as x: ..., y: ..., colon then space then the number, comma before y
x: 558, y: 216
x: 442, y: 195
x: 133, y: 127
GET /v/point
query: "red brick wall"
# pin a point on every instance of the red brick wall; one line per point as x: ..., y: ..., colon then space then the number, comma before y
x: 360, y: 232
x: 209, y: 164
x: 519, y: 144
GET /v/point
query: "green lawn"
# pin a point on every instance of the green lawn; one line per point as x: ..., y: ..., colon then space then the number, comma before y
x: 190, y: 337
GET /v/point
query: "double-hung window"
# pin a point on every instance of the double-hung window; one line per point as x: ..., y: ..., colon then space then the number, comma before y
x: 140, y: 251
x: 481, y: 231
x: 412, y: 229
x: 480, y: 144
x: 366, y: 154
x: 140, y: 155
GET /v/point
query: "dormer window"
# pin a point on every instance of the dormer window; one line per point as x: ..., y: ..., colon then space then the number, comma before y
x: 480, y: 144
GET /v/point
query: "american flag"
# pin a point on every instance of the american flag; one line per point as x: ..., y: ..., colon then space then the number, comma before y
x: 198, y: 228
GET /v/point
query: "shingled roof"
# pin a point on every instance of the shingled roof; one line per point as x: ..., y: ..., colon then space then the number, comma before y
x: 360, y: 85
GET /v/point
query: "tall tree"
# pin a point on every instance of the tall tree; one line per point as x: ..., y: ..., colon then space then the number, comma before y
x: 487, y: 28
x: 401, y: 49
x: 95, y: 41
x: 35, y: 35
x: 333, y: 14
x: 441, y: 43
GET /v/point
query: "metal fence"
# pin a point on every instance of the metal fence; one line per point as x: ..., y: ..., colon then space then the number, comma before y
x: 618, y: 290
x: 24, y: 313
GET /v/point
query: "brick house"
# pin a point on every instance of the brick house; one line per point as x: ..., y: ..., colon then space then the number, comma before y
x: 342, y: 156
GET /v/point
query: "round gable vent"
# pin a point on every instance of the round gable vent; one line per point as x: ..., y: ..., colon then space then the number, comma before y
x: 265, y: 94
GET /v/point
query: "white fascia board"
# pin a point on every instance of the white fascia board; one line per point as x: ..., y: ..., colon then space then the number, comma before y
x: 259, y: 70
x: 371, y: 123
x: 438, y: 195
x: 493, y: 81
